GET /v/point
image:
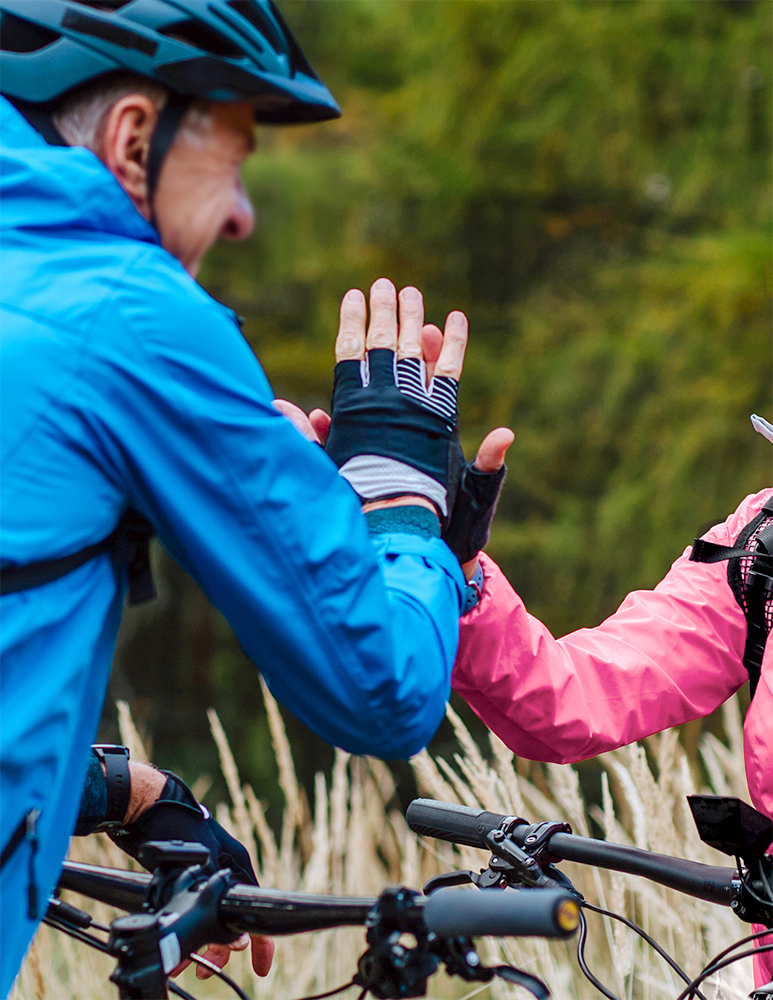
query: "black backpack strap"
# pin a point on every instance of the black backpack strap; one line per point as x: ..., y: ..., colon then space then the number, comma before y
x: 129, y: 546
x: 750, y: 576
x: 710, y: 552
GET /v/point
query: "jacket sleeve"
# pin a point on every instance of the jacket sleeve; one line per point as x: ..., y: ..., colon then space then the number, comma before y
x: 665, y: 657
x: 357, y: 638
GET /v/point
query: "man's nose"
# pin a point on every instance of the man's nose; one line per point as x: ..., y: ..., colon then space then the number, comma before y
x: 241, y: 218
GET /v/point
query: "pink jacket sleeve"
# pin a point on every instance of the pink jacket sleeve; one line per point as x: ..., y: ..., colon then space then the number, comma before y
x: 666, y: 656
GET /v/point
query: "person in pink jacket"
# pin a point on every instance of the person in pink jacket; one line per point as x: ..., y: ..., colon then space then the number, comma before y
x: 666, y: 656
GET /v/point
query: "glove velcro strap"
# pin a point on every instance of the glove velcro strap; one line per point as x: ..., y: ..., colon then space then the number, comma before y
x: 474, y: 507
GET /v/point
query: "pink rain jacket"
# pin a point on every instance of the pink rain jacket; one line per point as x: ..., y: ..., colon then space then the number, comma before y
x: 667, y: 656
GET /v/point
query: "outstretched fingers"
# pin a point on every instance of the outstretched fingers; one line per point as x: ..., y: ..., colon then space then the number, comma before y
x: 409, y: 342
x: 410, y: 339
x: 451, y: 359
x: 382, y: 330
x: 431, y: 344
x: 320, y: 422
x: 262, y: 954
x: 350, y: 342
x: 297, y: 418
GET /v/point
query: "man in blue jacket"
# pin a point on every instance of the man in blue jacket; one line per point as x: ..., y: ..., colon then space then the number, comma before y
x: 130, y: 401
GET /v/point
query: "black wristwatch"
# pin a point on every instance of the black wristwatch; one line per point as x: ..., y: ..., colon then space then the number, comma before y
x: 119, y: 786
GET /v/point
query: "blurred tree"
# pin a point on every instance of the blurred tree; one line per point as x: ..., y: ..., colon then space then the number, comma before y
x: 590, y: 181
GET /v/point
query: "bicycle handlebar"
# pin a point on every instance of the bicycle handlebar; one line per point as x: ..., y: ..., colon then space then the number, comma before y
x: 122, y: 889
x: 260, y: 911
x: 527, y: 913
x: 462, y: 825
x: 449, y: 913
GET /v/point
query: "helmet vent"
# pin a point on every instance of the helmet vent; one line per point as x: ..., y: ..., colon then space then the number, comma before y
x: 105, y: 5
x: 201, y: 36
x: 250, y: 11
x: 18, y: 35
x: 109, y: 30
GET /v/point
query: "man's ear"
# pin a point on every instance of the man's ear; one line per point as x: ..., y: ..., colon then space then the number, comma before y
x: 125, y: 145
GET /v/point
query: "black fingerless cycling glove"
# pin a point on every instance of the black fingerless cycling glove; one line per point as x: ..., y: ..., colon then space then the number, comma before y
x: 390, y: 435
x: 176, y: 815
x: 476, y: 501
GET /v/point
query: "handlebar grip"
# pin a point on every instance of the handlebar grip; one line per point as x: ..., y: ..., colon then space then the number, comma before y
x: 551, y: 913
x: 448, y: 821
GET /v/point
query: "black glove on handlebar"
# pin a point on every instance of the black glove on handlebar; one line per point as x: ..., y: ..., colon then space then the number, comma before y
x: 176, y: 815
x: 468, y: 529
x: 390, y: 435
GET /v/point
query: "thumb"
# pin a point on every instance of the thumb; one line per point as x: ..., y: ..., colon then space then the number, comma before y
x: 491, y: 454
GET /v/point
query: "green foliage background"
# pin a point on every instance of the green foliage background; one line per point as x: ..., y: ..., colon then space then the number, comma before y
x: 590, y: 181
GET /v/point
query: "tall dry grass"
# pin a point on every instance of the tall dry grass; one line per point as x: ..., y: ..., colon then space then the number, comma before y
x: 356, y: 842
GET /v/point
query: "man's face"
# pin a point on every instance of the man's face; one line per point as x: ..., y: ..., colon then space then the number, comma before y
x: 200, y: 194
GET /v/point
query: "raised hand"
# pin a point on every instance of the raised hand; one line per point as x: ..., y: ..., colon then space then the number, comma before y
x: 393, y: 433
x: 397, y: 324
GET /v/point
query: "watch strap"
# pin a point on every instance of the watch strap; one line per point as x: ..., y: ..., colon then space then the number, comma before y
x: 116, y: 761
x: 473, y: 591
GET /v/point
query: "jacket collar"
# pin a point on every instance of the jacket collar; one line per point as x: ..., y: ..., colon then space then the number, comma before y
x: 60, y: 187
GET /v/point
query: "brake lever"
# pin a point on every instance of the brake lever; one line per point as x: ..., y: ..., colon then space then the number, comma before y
x: 524, y: 979
x: 487, y: 878
x: 461, y: 959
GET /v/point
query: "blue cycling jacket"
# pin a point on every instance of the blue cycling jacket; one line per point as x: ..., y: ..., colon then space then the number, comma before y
x: 124, y: 385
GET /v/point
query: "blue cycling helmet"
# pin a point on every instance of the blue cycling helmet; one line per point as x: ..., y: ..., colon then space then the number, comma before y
x: 223, y: 50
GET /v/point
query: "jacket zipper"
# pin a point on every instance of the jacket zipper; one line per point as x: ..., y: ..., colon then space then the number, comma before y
x: 26, y: 830
x: 31, y: 836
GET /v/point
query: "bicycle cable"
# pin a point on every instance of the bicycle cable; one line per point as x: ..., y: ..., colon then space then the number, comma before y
x: 744, y: 940
x: 764, y: 879
x: 584, y: 965
x: 78, y: 934
x: 690, y: 990
x: 217, y: 971
x: 650, y: 941
x: 180, y: 992
x: 94, y: 942
x: 747, y: 885
x: 332, y: 993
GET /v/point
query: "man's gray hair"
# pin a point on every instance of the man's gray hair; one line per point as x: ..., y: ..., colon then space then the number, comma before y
x: 82, y: 115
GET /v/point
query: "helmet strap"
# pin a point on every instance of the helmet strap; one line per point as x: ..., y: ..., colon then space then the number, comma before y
x: 169, y: 120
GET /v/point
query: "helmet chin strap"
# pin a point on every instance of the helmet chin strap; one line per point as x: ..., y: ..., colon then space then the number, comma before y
x: 169, y: 120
